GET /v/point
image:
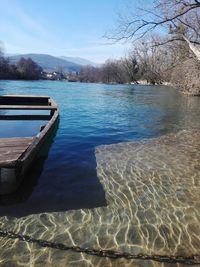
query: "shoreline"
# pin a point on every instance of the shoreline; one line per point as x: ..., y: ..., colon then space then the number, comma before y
x: 190, y: 93
x: 145, y: 82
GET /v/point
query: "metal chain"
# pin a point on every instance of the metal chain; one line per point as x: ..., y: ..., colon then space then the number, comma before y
x: 191, y: 260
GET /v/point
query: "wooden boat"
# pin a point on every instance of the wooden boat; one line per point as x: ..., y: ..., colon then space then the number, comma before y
x: 17, y: 154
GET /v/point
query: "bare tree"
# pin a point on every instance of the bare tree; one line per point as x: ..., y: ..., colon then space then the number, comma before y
x: 131, y: 67
x: 180, y: 18
x: 28, y: 69
x: 113, y: 72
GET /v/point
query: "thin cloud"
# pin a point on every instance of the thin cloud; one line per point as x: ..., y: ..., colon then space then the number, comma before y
x: 25, y: 32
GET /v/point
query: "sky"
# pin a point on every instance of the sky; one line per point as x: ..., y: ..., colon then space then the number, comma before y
x: 62, y: 28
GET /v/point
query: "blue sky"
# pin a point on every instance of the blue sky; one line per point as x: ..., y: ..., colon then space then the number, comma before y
x: 62, y: 28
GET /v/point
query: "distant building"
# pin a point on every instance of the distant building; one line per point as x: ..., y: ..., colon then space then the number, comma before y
x: 54, y: 75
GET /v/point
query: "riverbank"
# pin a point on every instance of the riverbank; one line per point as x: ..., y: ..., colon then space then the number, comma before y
x: 145, y: 82
x: 190, y: 93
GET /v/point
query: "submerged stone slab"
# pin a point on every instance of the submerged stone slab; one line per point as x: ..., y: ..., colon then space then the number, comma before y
x: 152, y: 191
x: 153, y: 186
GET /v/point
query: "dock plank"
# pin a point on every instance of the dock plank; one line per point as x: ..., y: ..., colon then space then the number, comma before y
x: 11, y: 149
x: 25, y: 96
x: 25, y: 117
x: 27, y: 107
x: 24, y: 100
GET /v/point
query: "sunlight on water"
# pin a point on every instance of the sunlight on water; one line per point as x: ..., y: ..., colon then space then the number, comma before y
x: 121, y: 173
x: 153, y: 207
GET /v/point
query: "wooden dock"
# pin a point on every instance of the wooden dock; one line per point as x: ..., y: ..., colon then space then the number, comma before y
x: 17, y: 154
x: 11, y: 150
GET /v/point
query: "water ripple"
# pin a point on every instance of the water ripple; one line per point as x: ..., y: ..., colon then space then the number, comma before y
x: 152, y: 192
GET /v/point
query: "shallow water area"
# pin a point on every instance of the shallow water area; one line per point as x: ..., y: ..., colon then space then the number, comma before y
x: 153, y: 206
x: 121, y: 174
x: 155, y: 185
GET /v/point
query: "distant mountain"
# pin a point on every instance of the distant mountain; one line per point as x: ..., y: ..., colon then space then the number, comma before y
x: 49, y: 63
x: 81, y: 61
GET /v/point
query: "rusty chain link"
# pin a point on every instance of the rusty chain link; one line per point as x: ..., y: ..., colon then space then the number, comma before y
x: 191, y: 260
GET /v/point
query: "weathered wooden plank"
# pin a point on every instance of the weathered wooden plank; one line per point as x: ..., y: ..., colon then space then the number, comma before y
x: 25, y: 117
x: 18, y: 142
x: 4, y: 145
x: 4, y: 151
x: 27, y: 96
x: 36, y: 145
x: 15, y: 147
x: 9, y: 158
x: 27, y: 107
x: 19, y: 153
x: 15, y: 140
x: 24, y: 100
x: 11, y: 149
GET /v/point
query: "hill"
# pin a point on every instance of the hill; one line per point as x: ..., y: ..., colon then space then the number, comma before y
x: 48, y: 62
x: 81, y: 61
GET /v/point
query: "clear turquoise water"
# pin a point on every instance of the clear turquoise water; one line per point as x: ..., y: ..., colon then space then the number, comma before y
x: 90, y: 115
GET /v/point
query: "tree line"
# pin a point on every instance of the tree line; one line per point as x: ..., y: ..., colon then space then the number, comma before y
x: 165, y: 47
x: 145, y: 62
x: 112, y: 71
x: 25, y: 69
x: 169, y: 36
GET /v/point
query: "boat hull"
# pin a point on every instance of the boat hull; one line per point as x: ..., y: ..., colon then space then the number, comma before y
x: 14, y: 165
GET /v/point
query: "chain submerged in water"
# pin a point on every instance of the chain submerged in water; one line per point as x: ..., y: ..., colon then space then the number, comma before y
x: 192, y: 260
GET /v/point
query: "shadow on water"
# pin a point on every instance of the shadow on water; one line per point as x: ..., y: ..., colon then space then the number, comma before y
x: 21, y: 203
x: 26, y: 187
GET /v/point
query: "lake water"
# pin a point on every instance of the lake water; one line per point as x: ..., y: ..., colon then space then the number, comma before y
x: 82, y: 193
